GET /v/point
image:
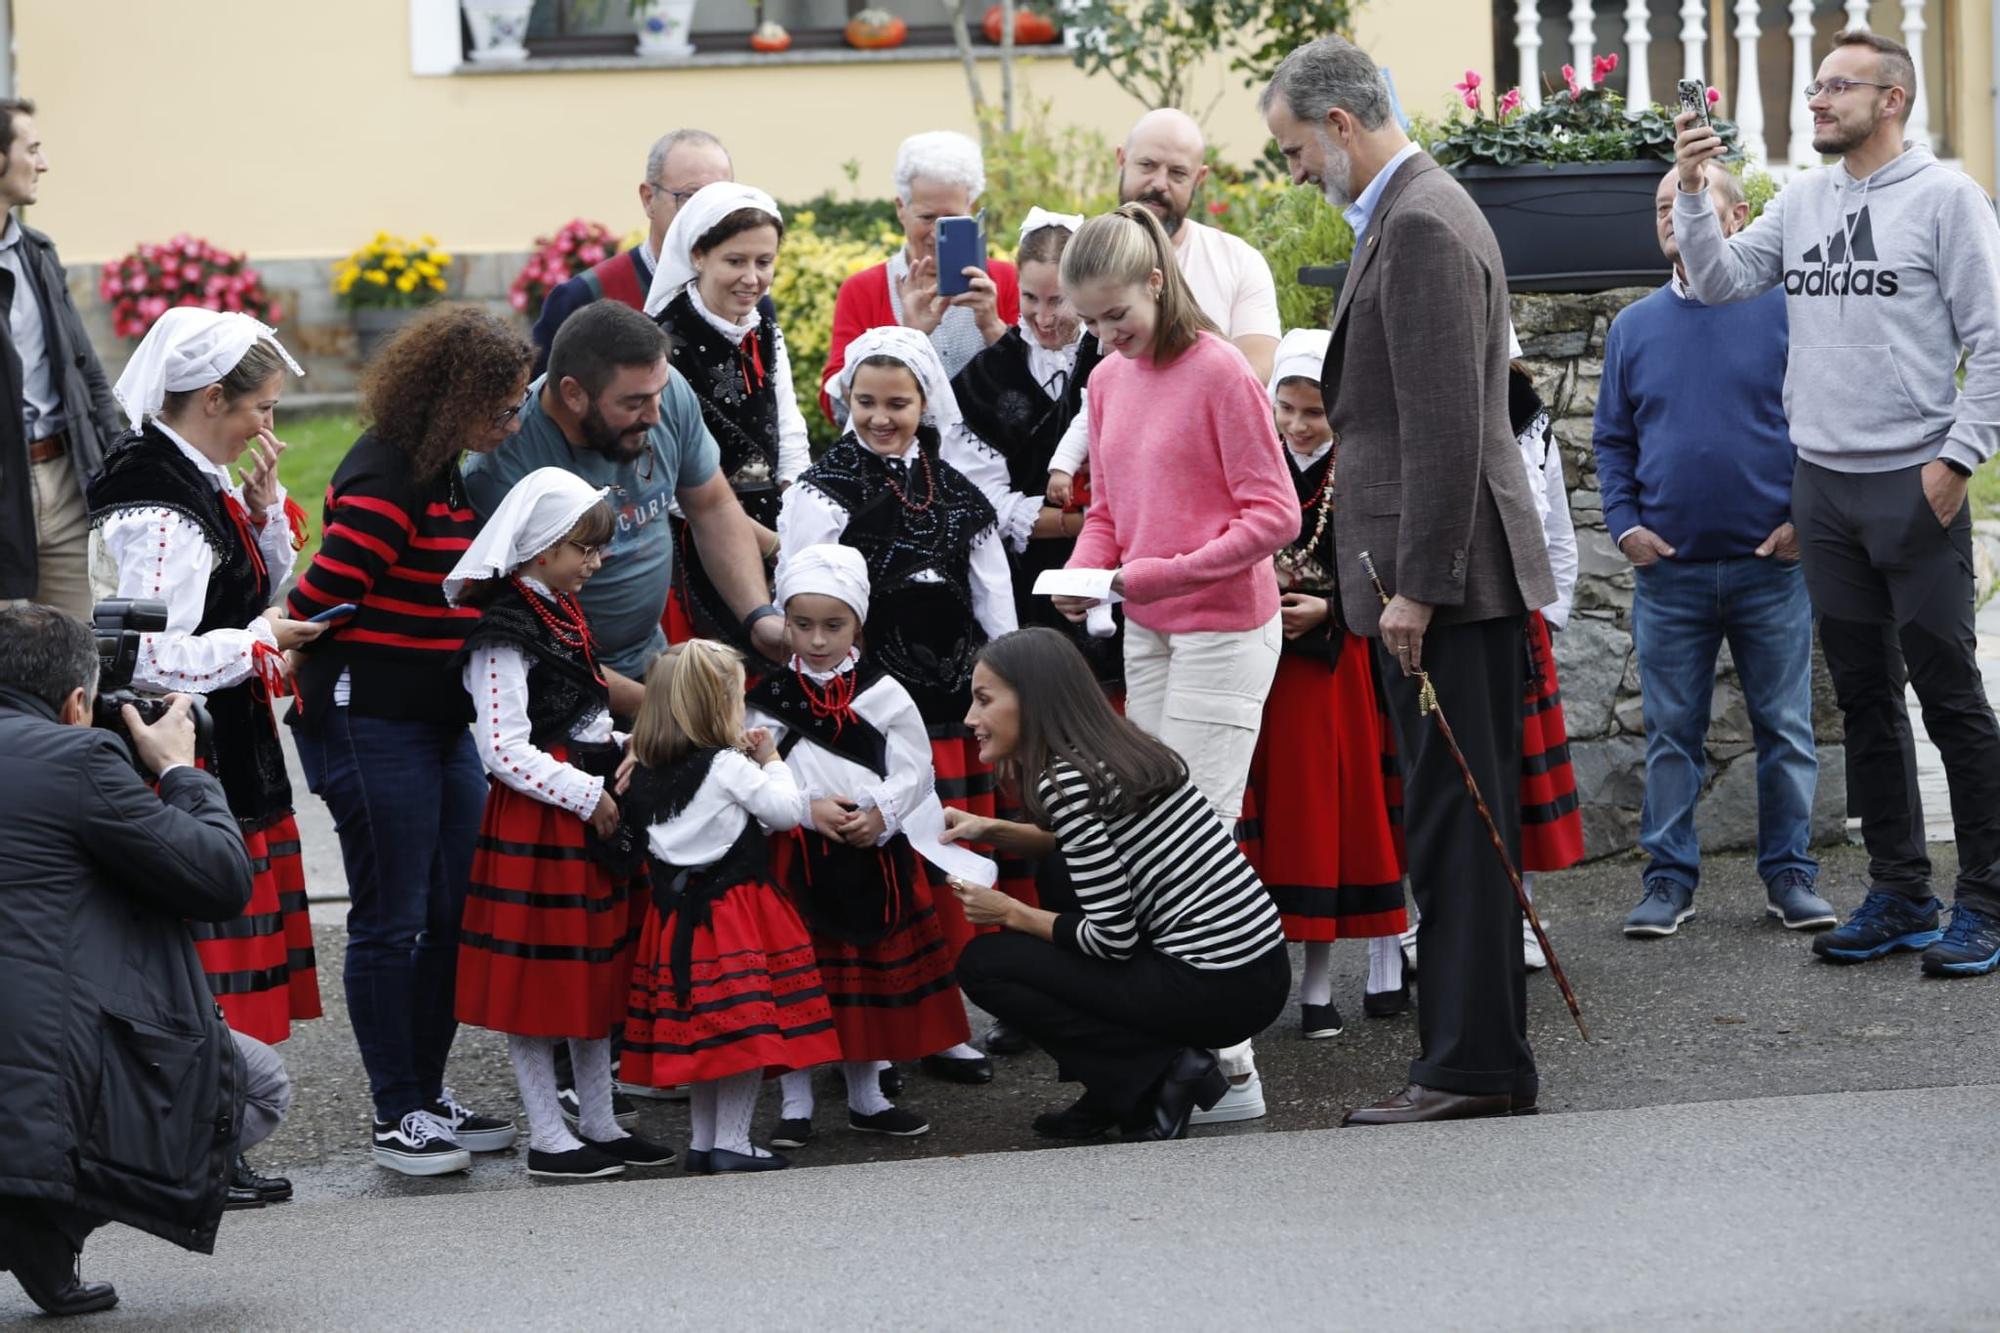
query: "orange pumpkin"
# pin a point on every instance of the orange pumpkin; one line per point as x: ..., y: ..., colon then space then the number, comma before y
x: 770, y: 37
x: 875, y: 30
x: 1030, y: 28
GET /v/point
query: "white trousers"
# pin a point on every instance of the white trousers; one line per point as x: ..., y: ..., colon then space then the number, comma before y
x: 1203, y: 694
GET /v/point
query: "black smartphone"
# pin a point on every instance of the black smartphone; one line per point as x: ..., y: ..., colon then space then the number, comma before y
x: 961, y: 244
x: 1694, y: 97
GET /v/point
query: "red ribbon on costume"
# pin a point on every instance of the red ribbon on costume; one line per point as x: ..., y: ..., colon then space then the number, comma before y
x: 750, y: 357
x: 300, y: 524
x: 241, y: 518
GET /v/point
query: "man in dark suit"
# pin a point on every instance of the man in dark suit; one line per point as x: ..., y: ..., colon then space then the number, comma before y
x: 1430, y: 484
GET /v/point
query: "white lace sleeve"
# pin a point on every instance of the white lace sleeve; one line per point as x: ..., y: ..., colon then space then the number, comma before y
x: 274, y: 543
x: 992, y: 587
x: 985, y: 468
x: 162, y: 556
x: 808, y: 518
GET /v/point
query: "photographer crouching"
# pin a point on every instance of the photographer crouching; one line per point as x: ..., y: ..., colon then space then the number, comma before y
x: 124, y: 1094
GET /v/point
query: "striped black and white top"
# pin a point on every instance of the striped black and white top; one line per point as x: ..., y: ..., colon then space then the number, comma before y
x: 1167, y: 878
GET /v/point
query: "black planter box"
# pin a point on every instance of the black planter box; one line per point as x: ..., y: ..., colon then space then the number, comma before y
x: 1574, y: 227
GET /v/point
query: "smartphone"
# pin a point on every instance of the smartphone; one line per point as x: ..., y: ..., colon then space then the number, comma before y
x: 1694, y: 97
x: 961, y: 244
x: 334, y: 614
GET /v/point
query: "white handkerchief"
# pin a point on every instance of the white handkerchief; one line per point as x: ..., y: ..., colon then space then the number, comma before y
x: 925, y: 829
x: 1077, y: 583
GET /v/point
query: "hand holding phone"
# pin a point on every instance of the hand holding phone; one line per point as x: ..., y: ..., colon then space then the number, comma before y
x: 961, y: 244
x: 1694, y: 97
x: 333, y: 615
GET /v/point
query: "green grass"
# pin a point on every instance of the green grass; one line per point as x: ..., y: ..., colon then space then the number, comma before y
x: 314, y: 447
x: 1985, y: 490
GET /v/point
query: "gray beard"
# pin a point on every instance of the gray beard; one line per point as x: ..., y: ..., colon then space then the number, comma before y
x: 1336, y: 183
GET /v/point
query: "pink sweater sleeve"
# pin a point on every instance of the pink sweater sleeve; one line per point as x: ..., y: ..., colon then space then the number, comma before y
x: 1097, y: 545
x: 1237, y: 418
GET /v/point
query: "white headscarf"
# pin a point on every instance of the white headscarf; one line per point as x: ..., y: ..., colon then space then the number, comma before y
x: 535, y: 515
x: 188, y: 348
x: 1302, y: 354
x: 698, y: 216
x: 840, y: 572
x: 1039, y: 217
x: 914, y: 350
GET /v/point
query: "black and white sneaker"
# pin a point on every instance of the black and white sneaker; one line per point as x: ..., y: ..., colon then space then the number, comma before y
x: 419, y: 1145
x: 583, y: 1162
x: 622, y: 1109
x: 469, y: 1129
x: 896, y: 1121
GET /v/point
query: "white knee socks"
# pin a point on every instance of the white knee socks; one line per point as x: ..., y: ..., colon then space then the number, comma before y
x: 1316, y: 982
x: 535, y: 1070
x: 796, y: 1088
x: 1385, y: 964
x: 591, y: 1060
x: 962, y: 1051
x: 864, y: 1087
x: 735, y: 1104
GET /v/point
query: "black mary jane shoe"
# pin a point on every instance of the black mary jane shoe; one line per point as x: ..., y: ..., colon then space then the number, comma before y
x: 50, y: 1272
x: 793, y: 1132
x: 890, y: 1080
x: 272, y: 1189
x: 723, y: 1160
x: 954, y: 1070
x: 1002, y: 1039
x: 696, y: 1162
x: 1075, y: 1122
x: 1319, y: 1021
x: 1387, y: 1003
x: 634, y: 1151
x: 1195, y: 1080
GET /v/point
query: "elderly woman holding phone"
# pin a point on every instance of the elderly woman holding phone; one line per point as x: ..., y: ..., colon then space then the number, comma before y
x: 939, y: 174
x: 1174, y: 950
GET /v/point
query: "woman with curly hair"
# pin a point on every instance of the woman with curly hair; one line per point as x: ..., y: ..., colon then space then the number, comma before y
x: 381, y: 714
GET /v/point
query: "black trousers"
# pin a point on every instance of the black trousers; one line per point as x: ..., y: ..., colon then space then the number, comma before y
x: 1893, y: 591
x: 22, y: 1219
x: 1473, y: 1022
x: 1116, y: 1027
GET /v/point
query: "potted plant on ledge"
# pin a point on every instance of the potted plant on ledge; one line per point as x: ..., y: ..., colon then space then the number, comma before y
x: 1568, y: 186
x: 385, y: 281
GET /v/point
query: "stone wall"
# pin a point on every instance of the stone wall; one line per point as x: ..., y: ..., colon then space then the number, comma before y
x: 1562, y: 341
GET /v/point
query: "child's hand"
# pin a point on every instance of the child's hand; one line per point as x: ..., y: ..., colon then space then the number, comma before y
x: 862, y: 828
x: 604, y: 819
x: 621, y: 781
x: 828, y: 814
x: 1060, y: 489
x: 1301, y: 612
x: 758, y: 744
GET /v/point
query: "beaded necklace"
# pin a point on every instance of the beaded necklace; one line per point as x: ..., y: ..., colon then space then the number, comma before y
x: 930, y: 486
x: 572, y: 631
x: 836, y: 701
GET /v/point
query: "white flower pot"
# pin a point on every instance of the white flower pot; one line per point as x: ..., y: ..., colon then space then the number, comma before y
x: 664, y: 27
x: 499, y: 29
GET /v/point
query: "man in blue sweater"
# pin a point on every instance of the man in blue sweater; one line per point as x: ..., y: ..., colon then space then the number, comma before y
x: 1890, y: 265
x: 1695, y: 460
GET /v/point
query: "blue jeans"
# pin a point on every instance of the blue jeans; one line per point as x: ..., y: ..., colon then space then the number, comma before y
x: 407, y: 798
x: 1682, y: 611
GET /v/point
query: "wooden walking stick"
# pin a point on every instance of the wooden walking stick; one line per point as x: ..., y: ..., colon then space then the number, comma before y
x: 1427, y: 702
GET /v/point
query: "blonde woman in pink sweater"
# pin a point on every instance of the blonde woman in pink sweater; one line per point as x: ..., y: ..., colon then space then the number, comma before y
x: 1190, y: 498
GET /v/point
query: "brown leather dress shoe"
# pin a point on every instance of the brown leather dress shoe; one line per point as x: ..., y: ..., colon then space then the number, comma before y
x: 1417, y: 1104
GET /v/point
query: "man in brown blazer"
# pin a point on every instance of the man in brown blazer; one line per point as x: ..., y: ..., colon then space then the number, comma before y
x: 1429, y: 482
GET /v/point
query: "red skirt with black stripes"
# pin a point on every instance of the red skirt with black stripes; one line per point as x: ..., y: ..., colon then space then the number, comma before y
x: 894, y: 999
x: 965, y: 783
x: 261, y: 965
x: 754, y: 999
x: 1551, y: 822
x: 1316, y: 813
x: 545, y: 946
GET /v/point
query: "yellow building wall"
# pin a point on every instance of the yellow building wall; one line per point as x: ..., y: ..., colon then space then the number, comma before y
x: 1972, y: 89
x: 290, y: 129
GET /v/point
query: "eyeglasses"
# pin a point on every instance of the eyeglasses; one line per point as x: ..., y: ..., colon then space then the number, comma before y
x: 678, y: 196
x: 503, y: 417
x: 1835, y: 87
x: 588, y: 552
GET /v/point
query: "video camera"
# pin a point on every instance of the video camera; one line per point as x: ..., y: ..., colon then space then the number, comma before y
x: 118, y: 625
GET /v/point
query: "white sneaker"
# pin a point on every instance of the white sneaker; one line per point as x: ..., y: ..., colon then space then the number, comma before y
x: 1531, y: 948
x: 1243, y: 1101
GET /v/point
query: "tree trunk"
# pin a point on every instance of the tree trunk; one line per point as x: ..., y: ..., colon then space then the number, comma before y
x: 961, y: 37
x: 1008, y: 9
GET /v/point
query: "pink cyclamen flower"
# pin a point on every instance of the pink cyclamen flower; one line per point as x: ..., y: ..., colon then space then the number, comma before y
x: 1510, y: 103
x: 1713, y: 97
x: 1569, y: 77
x: 1468, y: 89
x: 1603, y: 67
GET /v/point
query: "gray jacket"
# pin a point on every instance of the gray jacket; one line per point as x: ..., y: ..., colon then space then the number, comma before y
x: 1428, y: 477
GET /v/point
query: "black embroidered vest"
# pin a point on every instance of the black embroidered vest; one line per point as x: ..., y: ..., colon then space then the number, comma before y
x: 742, y: 416
x: 564, y: 687
x: 921, y: 632
x: 147, y: 470
x: 1013, y: 414
x: 1307, y: 566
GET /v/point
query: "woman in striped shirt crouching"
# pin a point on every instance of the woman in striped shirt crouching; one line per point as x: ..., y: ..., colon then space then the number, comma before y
x: 1173, y: 948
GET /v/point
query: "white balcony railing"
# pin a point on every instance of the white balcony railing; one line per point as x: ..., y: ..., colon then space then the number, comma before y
x: 1744, y: 95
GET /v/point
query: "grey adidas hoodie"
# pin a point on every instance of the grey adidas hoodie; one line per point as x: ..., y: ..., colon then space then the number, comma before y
x: 1887, y: 281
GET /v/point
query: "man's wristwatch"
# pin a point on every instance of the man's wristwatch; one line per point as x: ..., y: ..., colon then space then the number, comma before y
x: 762, y: 612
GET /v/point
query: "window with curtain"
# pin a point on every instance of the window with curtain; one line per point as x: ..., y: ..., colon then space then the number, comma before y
x: 605, y: 27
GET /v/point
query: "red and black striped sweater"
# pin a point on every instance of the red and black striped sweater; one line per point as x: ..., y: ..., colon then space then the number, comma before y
x: 389, y: 541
